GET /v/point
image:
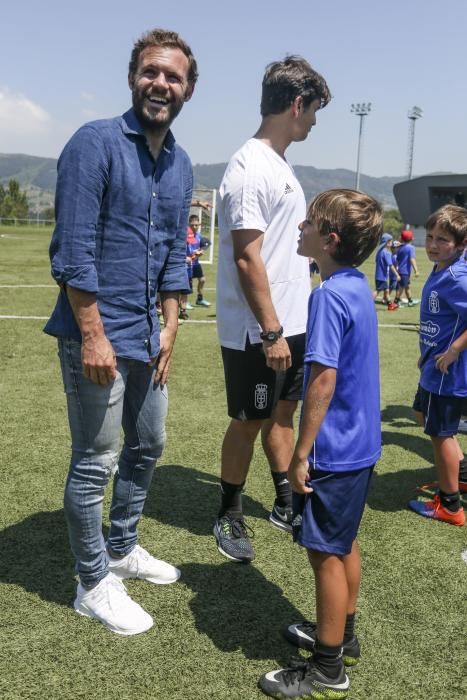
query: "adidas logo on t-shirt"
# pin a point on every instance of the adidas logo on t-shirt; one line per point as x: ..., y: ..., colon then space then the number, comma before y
x: 288, y: 189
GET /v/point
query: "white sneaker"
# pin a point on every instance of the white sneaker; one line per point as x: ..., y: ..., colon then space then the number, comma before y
x: 110, y: 603
x: 140, y: 564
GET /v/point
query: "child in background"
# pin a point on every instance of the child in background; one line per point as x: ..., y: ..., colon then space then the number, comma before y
x: 339, y: 438
x: 406, y: 262
x: 393, y: 280
x: 443, y: 360
x: 197, y: 270
x: 192, y: 252
x: 384, y: 265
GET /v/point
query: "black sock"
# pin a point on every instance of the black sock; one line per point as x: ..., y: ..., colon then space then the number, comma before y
x: 282, y: 486
x: 328, y: 659
x: 349, y: 630
x: 463, y: 469
x: 199, y: 297
x: 231, y: 499
x: 451, y: 501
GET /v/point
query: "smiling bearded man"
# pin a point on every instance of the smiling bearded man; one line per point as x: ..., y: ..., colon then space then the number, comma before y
x: 122, y: 203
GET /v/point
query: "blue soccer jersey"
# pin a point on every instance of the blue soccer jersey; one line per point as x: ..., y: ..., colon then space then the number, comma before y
x: 392, y: 275
x: 342, y: 333
x: 383, y: 263
x: 404, y: 253
x: 443, y: 318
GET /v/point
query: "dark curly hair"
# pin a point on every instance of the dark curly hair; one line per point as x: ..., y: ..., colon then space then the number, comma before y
x: 164, y: 38
x: 285, y: 80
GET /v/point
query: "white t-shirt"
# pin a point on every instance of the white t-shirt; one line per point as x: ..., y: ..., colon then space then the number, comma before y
x: 259, y: 191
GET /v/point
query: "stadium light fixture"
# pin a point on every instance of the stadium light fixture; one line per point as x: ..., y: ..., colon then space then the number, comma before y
x: 413, y: 114
x: 361, y: 109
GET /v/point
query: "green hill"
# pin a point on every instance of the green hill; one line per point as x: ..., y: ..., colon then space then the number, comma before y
x: 38, y: 176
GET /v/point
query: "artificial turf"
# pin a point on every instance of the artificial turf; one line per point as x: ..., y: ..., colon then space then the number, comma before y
x: 219, y: 628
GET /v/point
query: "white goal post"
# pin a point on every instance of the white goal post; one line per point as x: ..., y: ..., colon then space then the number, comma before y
x: 207, y: 217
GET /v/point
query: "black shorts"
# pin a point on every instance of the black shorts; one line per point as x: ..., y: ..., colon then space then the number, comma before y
x: 442, y: 414
x: 331, y: 513
x: 253, y: 389
x: 197, y: 270
x: 403, y: 282
x: 381, y: 285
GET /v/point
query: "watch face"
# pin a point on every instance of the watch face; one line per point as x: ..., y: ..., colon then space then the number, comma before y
x: 272, y: 335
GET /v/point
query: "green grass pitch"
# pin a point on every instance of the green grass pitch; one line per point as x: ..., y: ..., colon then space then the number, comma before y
x: 219, y: 628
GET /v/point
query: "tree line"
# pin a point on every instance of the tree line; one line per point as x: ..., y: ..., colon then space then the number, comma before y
x: 14, y: 205
x: 13, y: 201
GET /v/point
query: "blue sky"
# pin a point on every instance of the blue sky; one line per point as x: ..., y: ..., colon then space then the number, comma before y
x: 64, y: 63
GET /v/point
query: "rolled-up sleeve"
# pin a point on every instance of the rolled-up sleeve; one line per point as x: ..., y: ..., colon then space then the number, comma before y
x: 81, y: 182
x: 173, y: 276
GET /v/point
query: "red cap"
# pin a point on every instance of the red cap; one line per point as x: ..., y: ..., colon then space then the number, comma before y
x: 406, y: 236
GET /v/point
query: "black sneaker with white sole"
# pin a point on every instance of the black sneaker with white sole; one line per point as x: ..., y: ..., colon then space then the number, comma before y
x: 233, y: 540
x: 303, y: 635
x: 304, y: 680
x: 281, y: 517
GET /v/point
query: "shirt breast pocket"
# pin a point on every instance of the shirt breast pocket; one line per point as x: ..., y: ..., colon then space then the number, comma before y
x: 167, y: 216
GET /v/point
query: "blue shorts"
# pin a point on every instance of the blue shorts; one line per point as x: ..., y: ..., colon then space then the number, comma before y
x: 442, y: 414
x: 381, y: 285
x: 197, y: 270
x: 392, y: 283
x: 404, y: 281
x: 331, y: 515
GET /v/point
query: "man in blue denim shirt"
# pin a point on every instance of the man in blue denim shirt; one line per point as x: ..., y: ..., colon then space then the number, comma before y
x: 123, y: 197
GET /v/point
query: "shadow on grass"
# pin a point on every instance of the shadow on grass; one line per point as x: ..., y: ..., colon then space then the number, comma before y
x: 239, y: 609
x: 36, y: 556
x: 399, y: 416
x: 187, y: 498
x: 391, y: 492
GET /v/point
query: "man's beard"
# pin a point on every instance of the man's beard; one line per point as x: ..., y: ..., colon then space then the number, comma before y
x: 156, y: 123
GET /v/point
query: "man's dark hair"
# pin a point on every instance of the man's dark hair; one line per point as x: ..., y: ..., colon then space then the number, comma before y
x: 285, y: 80
x: 193, y: 217
x: 357, y: 219
x: 167, y: 39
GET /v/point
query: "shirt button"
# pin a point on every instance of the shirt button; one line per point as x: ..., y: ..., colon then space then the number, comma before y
x: 150, y: 253
x: 153, y: 194
x: 146, y: 342
x: 152, y: 223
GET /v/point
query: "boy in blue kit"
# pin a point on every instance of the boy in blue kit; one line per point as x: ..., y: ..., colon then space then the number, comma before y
x: 406, y: 262
x: 384, y: 266
x: 443, y: 360
x: 339, y: 439
x: 197, y: 270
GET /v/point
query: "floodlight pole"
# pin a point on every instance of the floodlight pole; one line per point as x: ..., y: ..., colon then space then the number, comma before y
x: 361, y: 109
x: 413, y: 114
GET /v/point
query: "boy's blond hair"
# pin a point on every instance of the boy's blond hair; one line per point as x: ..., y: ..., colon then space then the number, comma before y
x: 453, y: 220
x: 356, y: 217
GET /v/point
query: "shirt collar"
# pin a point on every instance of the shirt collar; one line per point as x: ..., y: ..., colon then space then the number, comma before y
x: 131, y: 125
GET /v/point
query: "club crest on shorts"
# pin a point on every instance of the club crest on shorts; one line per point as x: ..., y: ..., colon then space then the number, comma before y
x: 261, y: 396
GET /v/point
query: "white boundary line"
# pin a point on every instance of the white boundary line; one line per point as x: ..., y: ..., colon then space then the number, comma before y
x: 191, y: 320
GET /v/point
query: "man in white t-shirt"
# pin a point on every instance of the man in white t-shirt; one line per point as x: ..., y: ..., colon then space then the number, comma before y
x: 262, y: 293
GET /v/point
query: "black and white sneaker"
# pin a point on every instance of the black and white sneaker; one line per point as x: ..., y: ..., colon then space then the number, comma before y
x: 304, y: 680
x: 233, y: 540
x: 303, y: 635
x: 281, y: 517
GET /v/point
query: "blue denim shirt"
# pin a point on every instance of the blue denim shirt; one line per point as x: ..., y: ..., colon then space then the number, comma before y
x: 121, y: 222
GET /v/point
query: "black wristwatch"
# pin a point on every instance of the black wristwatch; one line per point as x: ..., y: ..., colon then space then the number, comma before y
x: 271, y: 336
